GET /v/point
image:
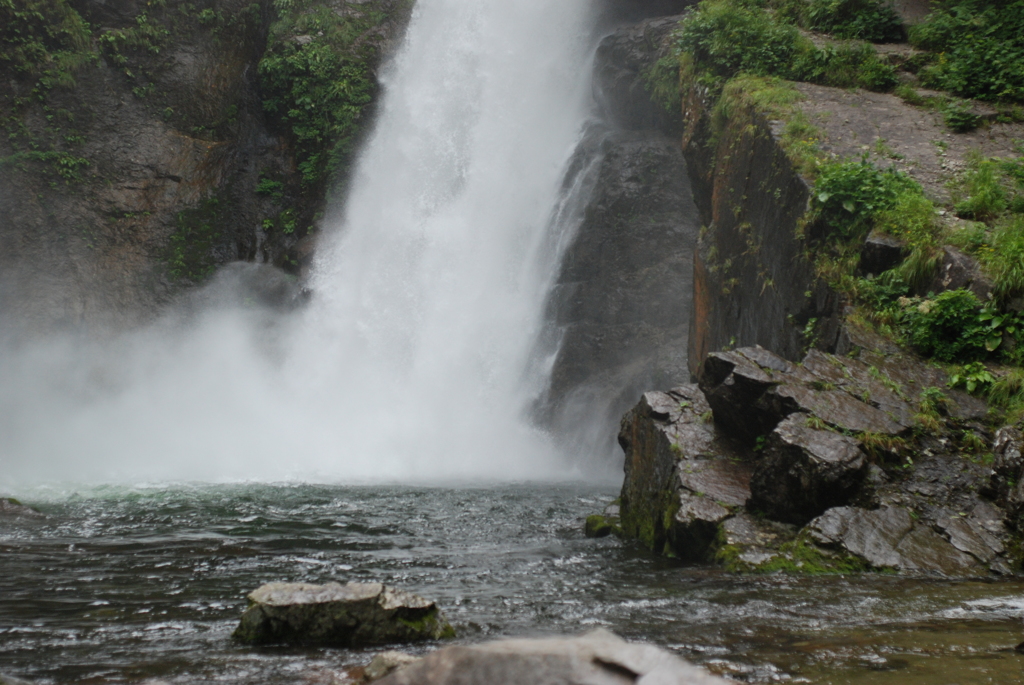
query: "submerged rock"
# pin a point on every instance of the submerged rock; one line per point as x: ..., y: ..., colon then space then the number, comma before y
x: 597, y: 658
x: 11, y: 680
x: 746, y: 543
x: 604, y: 524
x: 13, y: 508
x: 339, y: 615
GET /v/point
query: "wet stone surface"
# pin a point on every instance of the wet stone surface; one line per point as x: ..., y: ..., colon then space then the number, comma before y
x: 833, y: 443
x: 341, y: 615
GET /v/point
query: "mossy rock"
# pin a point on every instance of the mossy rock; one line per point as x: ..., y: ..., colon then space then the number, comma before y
x: 339, y: 615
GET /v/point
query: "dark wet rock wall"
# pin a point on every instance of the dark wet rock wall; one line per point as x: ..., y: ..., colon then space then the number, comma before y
x: 753, y: 284
x: 620, y: 306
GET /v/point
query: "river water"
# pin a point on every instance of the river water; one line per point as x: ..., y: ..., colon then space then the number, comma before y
x: 121, y: 584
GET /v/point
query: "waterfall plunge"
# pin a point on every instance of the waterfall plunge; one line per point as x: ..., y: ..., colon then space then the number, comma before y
x: 414, y: 360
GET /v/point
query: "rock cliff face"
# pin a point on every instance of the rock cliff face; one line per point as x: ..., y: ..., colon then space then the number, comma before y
x: 752, y: 283
x: 138, y: 156
x: 812, y: 445
x: 621, y: 301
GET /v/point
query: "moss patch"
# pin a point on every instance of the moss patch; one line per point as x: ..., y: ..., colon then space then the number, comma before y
x: 199, y: 231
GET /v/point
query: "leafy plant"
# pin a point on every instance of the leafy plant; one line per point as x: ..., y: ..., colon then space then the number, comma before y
x: 948, y: 327
x: 316, y: 89
x: 980, y: 46
x: 975, y: 377
x: 270, y: 188
x: 848, y: 195
x: 871, y: 20
x: 843, y: 65
x: 959, y: 117
x: 726, y: 37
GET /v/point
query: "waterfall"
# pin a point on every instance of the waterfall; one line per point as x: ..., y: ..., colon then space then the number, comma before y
x: 415, y: 359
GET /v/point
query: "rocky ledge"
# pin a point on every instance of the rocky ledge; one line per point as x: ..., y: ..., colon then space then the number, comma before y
x: 864, y: 461
x: 339, y: 615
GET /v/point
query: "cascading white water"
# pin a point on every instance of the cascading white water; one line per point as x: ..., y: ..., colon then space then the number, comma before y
x: 413, y: 360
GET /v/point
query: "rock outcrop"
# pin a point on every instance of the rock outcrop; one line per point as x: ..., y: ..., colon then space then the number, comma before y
x: 339, y: 615
x: 829, y: 445
x: 805, y: 471
x: 597, y: 658
x: 754, y: 280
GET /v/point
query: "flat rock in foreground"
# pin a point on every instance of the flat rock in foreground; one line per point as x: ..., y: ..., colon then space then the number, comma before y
x: 597, y: 658
x: 339, y: 615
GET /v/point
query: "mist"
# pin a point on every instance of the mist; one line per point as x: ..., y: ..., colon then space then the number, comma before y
x: 416, y: 357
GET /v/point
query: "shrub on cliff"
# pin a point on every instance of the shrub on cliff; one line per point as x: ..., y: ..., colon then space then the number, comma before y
x: 980, y: 46
x: 729, y: 37
x: 317, y: 78
x: 873, y: 20
x: 726, y: 37
x: 849, y: 195
x: 948, y: 328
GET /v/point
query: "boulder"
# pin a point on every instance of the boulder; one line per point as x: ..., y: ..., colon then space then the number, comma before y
x: 339, y: 615
x: 694, y: 526
x: 596, y: 658
x: 750, y: 390
x: 957, y: 270
x: 387, y: 662
x: 880, y: 253
x: 734, y: 386
x: 888, y: 538
x: 606, y: 523
x: 707, y: 492
x: 1008, y: 468
x: 682, y: 476
x: 805, y: 471
x: 746, y: 542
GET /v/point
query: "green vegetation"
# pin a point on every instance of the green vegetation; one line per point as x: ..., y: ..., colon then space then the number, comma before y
x: 46, y: 43
x: 980, y: 48
x: 872, y: 20
x: 725, y: 38
x: 848, y: 196
x: 317, y: 80
x: 797, y: 556
x: 44, y: 40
